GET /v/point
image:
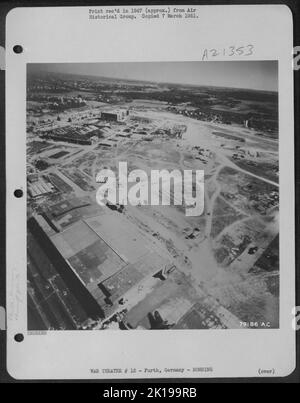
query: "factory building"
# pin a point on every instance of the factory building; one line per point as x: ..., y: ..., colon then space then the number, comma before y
x: 115, y: 116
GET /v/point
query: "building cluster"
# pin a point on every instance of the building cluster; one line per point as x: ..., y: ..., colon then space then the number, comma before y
x: 59, y: 103
x: 84, y: 135
x: 263, y: 202
x: 245, y: 152
x: 38, y: 186
x: 175, y: 131
x: 227, y: 117
x: 203, y: 153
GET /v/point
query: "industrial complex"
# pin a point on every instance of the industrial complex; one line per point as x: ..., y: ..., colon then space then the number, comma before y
x: 93, y: 267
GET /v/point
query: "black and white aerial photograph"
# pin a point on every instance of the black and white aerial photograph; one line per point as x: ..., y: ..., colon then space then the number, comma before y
x: 135, y: 264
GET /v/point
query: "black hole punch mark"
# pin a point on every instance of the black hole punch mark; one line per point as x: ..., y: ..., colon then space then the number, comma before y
x: 18, y: 193
x: 19, y: 337
x: 18, y: 49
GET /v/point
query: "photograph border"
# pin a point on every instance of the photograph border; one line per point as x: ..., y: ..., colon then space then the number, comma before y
x: 294, y: 378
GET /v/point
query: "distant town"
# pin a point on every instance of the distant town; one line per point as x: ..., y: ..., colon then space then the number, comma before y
x: 94, y: 267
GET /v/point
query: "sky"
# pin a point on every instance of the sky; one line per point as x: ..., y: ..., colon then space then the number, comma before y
x: 256, y: 75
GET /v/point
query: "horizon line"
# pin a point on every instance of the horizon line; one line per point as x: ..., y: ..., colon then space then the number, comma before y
x: 147, y: 81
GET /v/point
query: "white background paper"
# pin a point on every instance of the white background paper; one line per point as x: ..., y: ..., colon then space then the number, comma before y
x: 67, y: 35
